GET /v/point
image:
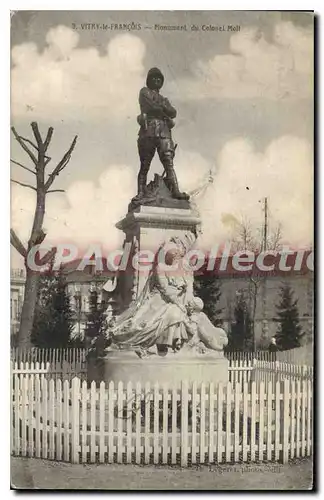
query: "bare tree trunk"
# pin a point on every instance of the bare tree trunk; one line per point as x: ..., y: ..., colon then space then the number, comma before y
x: 37, y: 236
x: 32, y: 277
x: 255, y: 286
x: 28, y: 309
x: 253, y: 316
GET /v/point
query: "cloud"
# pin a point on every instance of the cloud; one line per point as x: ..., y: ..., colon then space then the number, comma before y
x: 66, y: 81
x: 283, y: 173
x: 255, y: 68
x: 87, y: 213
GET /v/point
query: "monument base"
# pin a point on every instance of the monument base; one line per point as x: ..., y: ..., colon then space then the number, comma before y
x: 126, y: 366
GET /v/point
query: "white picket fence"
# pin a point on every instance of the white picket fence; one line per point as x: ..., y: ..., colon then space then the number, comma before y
x: 78, y: 422
x: 56, y: 370
x: 248, y: 370
x: 240, y: 371
x: 71, y: 355
x: 300, y: 356
x: 50, y: 363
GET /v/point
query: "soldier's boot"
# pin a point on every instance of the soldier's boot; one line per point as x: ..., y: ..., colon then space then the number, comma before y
x: 141, y: 182
x: 173, y: 185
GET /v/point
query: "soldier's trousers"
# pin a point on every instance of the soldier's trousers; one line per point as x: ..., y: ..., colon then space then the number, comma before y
x: 147, y: 146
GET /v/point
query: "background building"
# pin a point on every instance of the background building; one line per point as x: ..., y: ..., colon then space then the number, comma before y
x: 265, y: 287
x: 79, y: 285
x: 17, y: 290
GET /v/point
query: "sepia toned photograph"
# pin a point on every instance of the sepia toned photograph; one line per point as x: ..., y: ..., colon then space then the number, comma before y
x: 162, y: 250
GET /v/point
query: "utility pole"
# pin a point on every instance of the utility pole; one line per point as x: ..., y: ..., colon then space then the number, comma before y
x: 265, y: 246
x: 265, y: 234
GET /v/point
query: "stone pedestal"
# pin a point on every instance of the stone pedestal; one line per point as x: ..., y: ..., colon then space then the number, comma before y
x: 146, y: 229
x: 172, y: 369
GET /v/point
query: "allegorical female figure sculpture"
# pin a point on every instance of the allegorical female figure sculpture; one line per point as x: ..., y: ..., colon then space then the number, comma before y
x: 156, y: 122
x: 166, y: 315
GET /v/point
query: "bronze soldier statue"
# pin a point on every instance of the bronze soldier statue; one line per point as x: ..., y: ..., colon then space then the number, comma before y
x: 156, y: 122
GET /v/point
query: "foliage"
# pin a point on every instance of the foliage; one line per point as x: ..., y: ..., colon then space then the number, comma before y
x: 240, y: 336
x: 207, y: 288
x: 289, y: 334
x: 53, y: 320
x: 96, y: 326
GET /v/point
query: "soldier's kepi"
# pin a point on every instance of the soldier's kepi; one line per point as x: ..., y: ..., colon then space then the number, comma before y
x: 156, y: 122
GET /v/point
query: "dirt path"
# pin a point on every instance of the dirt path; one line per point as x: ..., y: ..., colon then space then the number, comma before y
x: 30, y: 473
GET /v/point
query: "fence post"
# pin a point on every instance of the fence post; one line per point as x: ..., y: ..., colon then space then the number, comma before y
x: 194, y: 400
x: 202, y: 422
x: 84, y: 403
x: 156, y: 410
x: 237, y: 421
x: 286, y: 427
x: 228, y: 422
x: 184, y: 423
x: 211, y: 423
x: 93, y: 392
x: 24, y: 403
x: 102, y: 390
x: 75, y: 420
x: 111, y: 407
x: 245, y: 422
x: 120, y: 421
x: 303, y: 416
x: 261, y: 418
x: 51, y: 409
x: 66, y: 420
x: 17, y: 383
x: 292, y: 419
x: 298, y: 413
x: 11, y: 411
x: 309, y: 416
x: 253, y: 419
x: 138, y: 422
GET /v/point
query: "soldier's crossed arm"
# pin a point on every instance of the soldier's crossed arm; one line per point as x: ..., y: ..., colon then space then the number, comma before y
x: 149, y: 101
x: 168, y: 109
x: 157, y: 103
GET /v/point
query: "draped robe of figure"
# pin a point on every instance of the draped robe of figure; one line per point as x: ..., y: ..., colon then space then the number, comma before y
x: 156, y: 318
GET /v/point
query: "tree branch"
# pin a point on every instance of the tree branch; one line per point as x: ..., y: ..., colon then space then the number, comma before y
x: 40, y: 237
x: 47, y: 257
x: 29, y: 141
x: 37, y: 135
x: 61, y: 165
x: 48, y: 138
x: 23, y: 166
x: 24, y: 185
x: 17, y: 244
x: 56, y: 191
x: 23, y: 145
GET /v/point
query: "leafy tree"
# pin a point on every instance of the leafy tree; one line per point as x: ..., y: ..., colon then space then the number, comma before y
x: 289, y: 333
x: 53, y: 321
x: 96, y: 325
x: 207, y: 288
x: 241, y: 333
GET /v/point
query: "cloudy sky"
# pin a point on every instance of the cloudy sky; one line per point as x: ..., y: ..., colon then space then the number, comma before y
x: 245, y: 111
